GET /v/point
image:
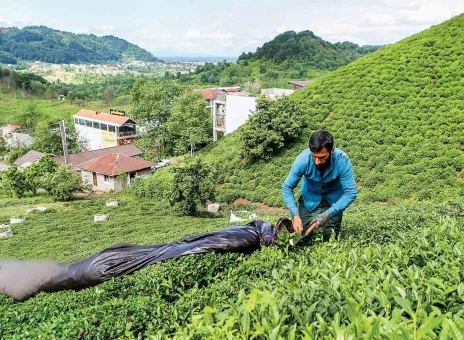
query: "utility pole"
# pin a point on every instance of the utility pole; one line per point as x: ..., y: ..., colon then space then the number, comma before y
x: 64, y: 142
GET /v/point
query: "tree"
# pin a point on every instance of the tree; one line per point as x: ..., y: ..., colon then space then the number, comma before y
x: 275, y: 123
x: 193, y: 184
x: 108, y: 94
x: 190, y: 123
x: 28, y: 120
x: 13, y: 182
x: 4, y: 148
x: 153, y: 102
x: 47, y: 138
x: 33, y: 174
x: 63, y: 183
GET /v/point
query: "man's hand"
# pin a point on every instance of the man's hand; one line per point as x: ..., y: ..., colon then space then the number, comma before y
x: 320, y: 220
x: 297, y: 224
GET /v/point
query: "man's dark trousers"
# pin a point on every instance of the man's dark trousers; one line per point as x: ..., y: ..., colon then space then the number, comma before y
x: 333, y: 225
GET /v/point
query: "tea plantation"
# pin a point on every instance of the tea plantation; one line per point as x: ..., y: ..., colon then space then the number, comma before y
x: 398, y: 113
x: 397, y: 272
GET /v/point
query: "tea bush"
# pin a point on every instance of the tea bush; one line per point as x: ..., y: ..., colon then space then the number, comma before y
x: 396, y: 272
x: 398, y: 113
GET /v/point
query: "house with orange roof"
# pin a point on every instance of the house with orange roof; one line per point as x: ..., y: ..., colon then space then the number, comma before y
x: 104, y: 173
x: 103, y: 130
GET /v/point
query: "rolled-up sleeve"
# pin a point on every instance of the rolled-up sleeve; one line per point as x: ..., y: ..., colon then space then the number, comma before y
x: 350, y: 193
x: 290, y: 183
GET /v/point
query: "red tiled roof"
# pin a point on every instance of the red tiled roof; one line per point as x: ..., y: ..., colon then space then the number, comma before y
x: 81, y: 157
x: 10, y: 127
x: 29, y: 157
x: 114, y: 164
x: 103, y: 117
x: 301, y: 83
x: 208, y: 94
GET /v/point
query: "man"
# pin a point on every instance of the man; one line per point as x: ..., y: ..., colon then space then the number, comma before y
x: 328, y: 186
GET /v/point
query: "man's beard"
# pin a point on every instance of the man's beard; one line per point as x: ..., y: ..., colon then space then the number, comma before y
x: 323, y: 167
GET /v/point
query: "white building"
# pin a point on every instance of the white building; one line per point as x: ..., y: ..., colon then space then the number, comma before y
x: 276, y: 92
x: 237, y: 111
x: 230, y: 108
x: 103, y: 130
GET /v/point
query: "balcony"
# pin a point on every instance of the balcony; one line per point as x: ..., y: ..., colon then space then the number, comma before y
x: 126, y: 134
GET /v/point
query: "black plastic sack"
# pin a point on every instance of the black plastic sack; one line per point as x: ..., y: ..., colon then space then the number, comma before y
x: 22, y: 280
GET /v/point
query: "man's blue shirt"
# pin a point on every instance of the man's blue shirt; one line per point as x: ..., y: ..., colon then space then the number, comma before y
x: 336, y: 184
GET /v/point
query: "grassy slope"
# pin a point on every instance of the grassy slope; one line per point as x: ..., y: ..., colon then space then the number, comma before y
x: 396, y: 272
x: 386, y: 254
x: 11, y: 106
x: 398, y: 113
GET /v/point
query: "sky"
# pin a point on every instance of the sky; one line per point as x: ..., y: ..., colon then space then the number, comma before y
x: 228, y: 28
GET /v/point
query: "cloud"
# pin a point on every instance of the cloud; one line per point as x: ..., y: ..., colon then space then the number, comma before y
x: 219, y: 35
x: 104, y: 30
x: 192, y: 34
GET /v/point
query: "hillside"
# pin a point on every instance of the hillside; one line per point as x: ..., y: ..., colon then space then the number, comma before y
x: 392, y: 262
x: 48, y: 45
x: 288, y: 56
x: 398, y: 113
x: 305, y: 49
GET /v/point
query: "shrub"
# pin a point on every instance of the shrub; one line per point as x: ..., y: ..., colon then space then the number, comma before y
x: 63, y: 183
x: 14, y: 182
x: 275, y: 123
x: 193, y: 184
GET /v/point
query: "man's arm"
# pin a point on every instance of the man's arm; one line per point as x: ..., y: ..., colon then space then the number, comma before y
x: 349, y: 191
x: 290, y: 183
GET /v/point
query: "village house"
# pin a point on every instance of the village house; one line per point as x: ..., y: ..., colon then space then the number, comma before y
x: 15, y: 139
x: 298, y: 85
x: 28, y: 159
x: 75, y: 159
x: 103, y: 130
x: 103, y: 173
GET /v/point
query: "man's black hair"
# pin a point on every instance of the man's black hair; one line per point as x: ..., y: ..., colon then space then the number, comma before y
x: 321, y: 139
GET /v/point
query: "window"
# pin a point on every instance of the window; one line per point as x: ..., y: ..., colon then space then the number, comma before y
x: 103, y: 126
x: 76, y: 121
x: 111, y: 128
x: 96, y: 125
x: 106, y: 178
x: 81, y: 121
x: 88, y: 123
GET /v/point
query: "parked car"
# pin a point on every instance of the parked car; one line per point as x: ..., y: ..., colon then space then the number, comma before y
x: 161, y: 163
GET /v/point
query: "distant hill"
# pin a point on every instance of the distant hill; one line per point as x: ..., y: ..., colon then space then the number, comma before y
x: 398, y: 113
x: 52, y: 46
x: 289, y: 56
x: 305, y: 49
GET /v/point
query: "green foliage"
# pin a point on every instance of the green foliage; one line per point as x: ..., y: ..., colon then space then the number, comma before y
x: 190, y: 123
x: 29, y: 119
x: 34, y: 173
x: 288, y: 56
x: 397, y: 113
x: 122, y: 178
x: 175, y: 118
x: 47, y: 138
x: 13, y: 154
x: 306, y: 49
x: 193, y: 184
x: 14, y: 182
x: 53, y: 46
x: 395, y: 272
x: 157, y: 186
x: 62, y: 183
x: 26, y: 83
x: 274, y: 124
x: 4, y: 148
